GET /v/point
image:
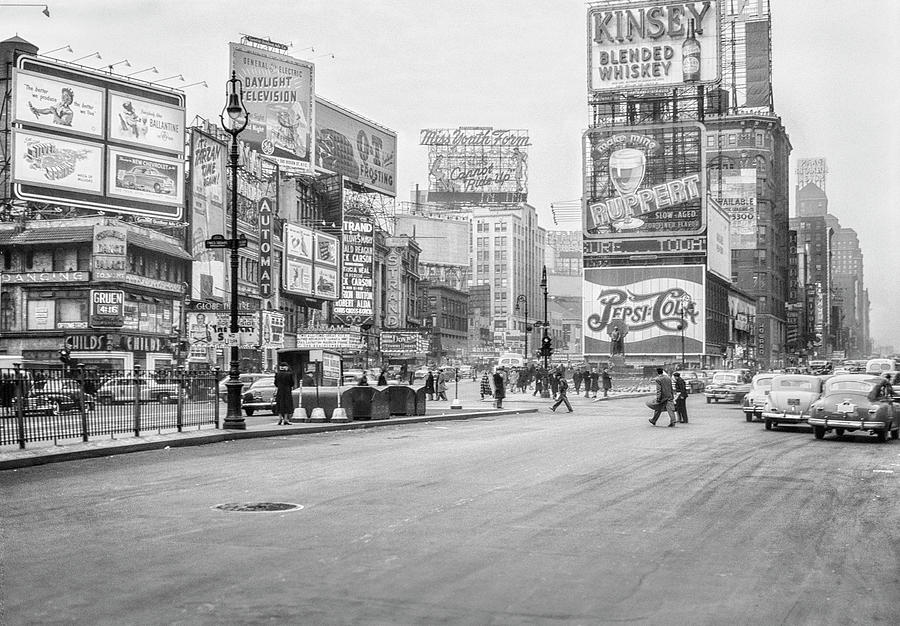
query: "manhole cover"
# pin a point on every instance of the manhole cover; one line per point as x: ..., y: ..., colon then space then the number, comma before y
x: 258, y: 507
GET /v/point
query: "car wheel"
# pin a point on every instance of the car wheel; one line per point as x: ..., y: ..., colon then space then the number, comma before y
x: 249, y: 412
x: 839, y: 432
x: 749, y: 416
x: 819, y: 432
x: 881, y: 436
x: 768, y: 424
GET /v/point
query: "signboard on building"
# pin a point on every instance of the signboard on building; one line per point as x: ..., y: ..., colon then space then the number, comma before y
x: 735, y: 192
x: 718, y: 255
x: 360, y: 150
x: 266, y: 216
x: 207, y: 216
x: 357, y: 303
x: 477, y: 165
x: 329, y: 340
x: 110, y: 249
x: 272, y: 329
x: 643, y: 308
x: 279, y: 93
x: 405, y: 343
x: 88, y: 139
x: 644, y: 180
x: 811, y: 171
x: 661, y: 43
x: 107, y: 308
x: 305, y: 271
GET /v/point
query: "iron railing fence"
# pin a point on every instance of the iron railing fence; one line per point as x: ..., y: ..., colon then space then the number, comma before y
x: 69, y: 403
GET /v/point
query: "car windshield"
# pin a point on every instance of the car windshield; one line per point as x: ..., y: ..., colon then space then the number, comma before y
x: 263, y: 382
x: 856, y: 386
x: 764, y: 383
x: 794, y: 384
x: 725, y: 378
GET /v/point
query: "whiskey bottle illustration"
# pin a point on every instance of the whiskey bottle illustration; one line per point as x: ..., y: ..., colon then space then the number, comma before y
x: 690, y: 56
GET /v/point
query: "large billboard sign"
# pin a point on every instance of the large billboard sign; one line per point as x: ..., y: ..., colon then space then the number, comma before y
x: 639, y: 311
x: 279, y: 94
x: 644, y: 181
x: 476, y: 165
x: 735, y: 192
x: 666, y: 43
x: 91, y: 140
x: 309, y: 266
x: 207, y: 216
x: 357, y: 303
x: 811, y: 171
x: 362, y: 151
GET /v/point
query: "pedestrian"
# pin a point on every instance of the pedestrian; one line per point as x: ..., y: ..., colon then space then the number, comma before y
x: 538, y: 383
x: 499, y: 388
x: 363, y: 381
x: 607, y: 382
x: 576, y: 381
x: 665, y: 398
x: 595, y: 382
x: 513, y: 380
x: 441, y: 389
x: 284, y: 399
x: 561, y: 388
x: 554, y: 384
x: 382, y: 379
x: 404, y: 374
x: 681, y: 395
x: 486, y: 386
x: 429, y: 386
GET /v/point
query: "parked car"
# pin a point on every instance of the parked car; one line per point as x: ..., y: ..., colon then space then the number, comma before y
x: 790, y: 398
x: 755, y: 400
x: 421, y: 373
x: 856, y: 402
x: 352, y: 376
x: 260, y: 396
x: 246, y: 380
x: 35, y: 405
x: 122, y: 389
x: 65, y: 394
x: 728, y: 386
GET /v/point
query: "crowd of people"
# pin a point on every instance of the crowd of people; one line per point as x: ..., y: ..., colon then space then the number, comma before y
x: 535, y: 379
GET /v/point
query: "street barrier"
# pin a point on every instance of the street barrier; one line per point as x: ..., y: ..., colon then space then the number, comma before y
x: 365, y: 403
x: 401, y: 399
x: 326, y: 398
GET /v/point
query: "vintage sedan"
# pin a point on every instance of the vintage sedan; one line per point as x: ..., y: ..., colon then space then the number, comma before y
x: 790, y: 398
x: 853, y: 402
x: 727, y: 386
x: 759, y: 392
x: 64, y: 394
x: 260, y: 396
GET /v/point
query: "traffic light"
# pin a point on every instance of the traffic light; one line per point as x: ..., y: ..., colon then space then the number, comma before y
x: 546, y: 346
x: 65, y: 356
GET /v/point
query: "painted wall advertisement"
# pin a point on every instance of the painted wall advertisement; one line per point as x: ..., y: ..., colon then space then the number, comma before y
x: 309, y: 266
x: 477, y: 164
x: 811, y: 171
x: 107, y: 308
x: 212, y: 328
x: 110, y: 250
x: 88, y: 139
x: 357, y: 303
x: 643, y: 308
x: 718, y: 256
x: 644, y: 180
x: 735, y: 192
x: 662, y: 43
x: 207, y: 216
x: 279, y: 93
x: 356, y: 148
x: 272, y: 329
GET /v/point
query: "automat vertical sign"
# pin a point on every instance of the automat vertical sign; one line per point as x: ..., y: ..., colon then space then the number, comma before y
x: 357, y: 302
x: 265, y: 247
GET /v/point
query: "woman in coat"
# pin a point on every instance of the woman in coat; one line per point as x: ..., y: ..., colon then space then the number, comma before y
x: 499, y: 389
x: 284, y: 400
x: 441, y: 388
x: 429, y: 386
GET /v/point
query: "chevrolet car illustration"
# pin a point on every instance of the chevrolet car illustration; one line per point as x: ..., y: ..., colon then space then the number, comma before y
x: 146, y: 178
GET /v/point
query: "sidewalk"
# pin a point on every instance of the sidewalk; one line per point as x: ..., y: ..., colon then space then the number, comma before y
x: 40, y: 453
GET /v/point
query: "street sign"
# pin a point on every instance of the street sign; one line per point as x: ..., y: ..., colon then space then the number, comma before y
x: 218, y: 242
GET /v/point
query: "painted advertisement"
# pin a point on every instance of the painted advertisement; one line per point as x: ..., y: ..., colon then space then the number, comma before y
x: 109, y: 260
x: 207, y: 216
x: 66, y: 105
x: 357, y: 303
x: 140, y: 176
x: 57, y: 162
x: 279, y: 94
x: 360, y: 150
x: 735, y: 192
x: 212, y: 328
x: 644, y: 180
x: 811, y: 171
x: 309, y: 266
x: 477, y: 164
x: 145, y: 124
x: 662, y: 43
x: 718, y: 255
x: 272, y: 329
x: 402, y: 343
x: 639, y: 311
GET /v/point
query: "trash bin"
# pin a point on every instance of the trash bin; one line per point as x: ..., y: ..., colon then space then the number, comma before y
x: 365, y: 403
x: 401, y: 399
x: 420, y: 400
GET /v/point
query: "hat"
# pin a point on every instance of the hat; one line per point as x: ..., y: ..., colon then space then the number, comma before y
x: 678, y: 374
x: 127, y: 106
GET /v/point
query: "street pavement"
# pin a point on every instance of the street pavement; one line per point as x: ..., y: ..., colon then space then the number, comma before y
x: 263, y: 425
x: 593, y: 517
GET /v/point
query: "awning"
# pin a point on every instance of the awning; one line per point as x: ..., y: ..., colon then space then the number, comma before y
x: 157, y: 245
x: 41, y: 236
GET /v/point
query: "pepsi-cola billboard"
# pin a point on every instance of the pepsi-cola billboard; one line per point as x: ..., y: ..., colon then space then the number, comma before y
x: 645, y: 307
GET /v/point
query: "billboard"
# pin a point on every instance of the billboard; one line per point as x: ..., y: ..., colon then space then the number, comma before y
x: 305, y: 270
x: 811, y: 171
x: 107, y: 308
x: 645, y: 306
x: 362, y: 151
x: 279, y: 94
x: 662, y: 43
x: 476, y: 164
x: 357, y: 303
x: 644, y: 181
x: 92, y: 140
x: 403, y: 343
x: 718, y: 256
x: 207, y: 216
x: 109, y: 260
x: 735, y: 192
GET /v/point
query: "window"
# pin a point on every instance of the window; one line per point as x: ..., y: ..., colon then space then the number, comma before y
x: 71, y: 312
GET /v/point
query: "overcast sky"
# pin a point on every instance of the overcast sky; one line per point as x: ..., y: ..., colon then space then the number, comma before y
x: 412, y: 64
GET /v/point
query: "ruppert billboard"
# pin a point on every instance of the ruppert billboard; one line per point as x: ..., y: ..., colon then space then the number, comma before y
x: 638, y: 45
x: 646, y: 307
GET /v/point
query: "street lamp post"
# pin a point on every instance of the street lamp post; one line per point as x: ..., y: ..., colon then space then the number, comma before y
x: 520, y: 299
x: 687, y: 305
x: 545, y: 391
x: 237, y: 122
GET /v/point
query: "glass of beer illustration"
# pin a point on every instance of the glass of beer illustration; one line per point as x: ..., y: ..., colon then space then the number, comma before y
x: 626, y: 169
